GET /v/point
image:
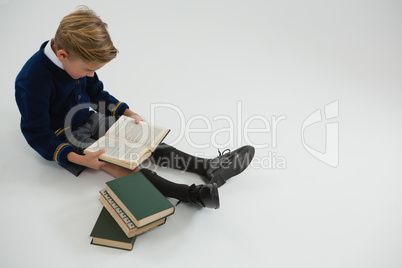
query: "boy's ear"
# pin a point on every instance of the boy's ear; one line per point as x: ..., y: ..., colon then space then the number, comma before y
x: 62, y: 54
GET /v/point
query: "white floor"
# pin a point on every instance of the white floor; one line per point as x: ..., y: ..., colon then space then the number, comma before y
x: 213, y: 65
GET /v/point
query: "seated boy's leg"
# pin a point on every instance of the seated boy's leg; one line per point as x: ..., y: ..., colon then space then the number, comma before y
x: 216, y: 170
x: 202, y: 195
x: 117, y: 171
x: 168, y: 156
x: 73, y: 168
x: 82, y: 137
x: 105, y: 122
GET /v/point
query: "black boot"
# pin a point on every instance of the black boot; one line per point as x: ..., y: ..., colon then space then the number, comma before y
x: 225, y: 166
x: 205, y: 195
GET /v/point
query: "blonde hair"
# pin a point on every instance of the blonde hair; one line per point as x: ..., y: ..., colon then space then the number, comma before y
x: 84, y: 35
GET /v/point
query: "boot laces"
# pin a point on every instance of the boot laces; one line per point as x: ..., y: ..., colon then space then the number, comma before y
x: 226, y: 151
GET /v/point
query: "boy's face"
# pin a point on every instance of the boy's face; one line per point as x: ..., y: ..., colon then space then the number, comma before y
x: 78, y: 68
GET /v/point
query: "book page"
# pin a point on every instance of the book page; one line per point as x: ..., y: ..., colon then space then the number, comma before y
x: 119, y: 149
x: 143, y: 133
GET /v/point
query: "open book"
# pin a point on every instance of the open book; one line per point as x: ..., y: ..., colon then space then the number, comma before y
x: 128, y: 144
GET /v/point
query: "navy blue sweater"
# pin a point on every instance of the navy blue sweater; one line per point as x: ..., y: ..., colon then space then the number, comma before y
x: 46, y: 93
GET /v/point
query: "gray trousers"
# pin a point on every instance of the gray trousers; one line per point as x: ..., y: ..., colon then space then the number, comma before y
x: 82, y: 137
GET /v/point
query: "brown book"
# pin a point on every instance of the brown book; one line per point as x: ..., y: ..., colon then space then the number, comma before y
x: 128, y: 144
x: 121, y: 218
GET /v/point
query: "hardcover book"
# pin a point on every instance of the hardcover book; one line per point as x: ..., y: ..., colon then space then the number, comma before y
x: 107, y: 232
x: 139, y: 199
x: 122, y: 219
x: 128, y: 144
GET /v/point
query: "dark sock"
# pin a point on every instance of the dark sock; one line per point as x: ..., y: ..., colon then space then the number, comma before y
x: 167, y: 188
x: 168, y: 156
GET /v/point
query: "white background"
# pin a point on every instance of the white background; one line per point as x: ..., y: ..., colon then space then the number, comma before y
x: 205, y: 57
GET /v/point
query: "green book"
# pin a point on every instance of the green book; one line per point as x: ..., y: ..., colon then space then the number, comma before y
x: 122, y: 219
x: 139, y: 198
x: 107, y: 232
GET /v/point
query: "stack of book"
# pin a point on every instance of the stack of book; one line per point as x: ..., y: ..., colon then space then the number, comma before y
x: 131, y: 206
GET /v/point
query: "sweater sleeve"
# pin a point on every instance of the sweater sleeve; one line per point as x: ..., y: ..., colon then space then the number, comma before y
x: 104, y: 102
x: 33, y: 103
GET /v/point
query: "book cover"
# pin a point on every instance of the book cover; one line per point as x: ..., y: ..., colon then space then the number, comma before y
x: 139, y: 198
x: 122, y: 219
x: 107, y: 232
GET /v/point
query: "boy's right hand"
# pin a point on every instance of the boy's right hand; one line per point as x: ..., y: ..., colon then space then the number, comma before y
x: 90, y: 160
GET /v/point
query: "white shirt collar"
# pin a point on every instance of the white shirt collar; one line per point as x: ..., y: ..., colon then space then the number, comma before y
x: 52, y: 56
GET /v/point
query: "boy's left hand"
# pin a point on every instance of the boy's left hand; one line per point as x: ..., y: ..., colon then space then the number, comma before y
x: 131, y: 114
x: 137, y: 118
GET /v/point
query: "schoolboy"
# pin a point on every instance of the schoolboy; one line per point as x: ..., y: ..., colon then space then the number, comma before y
x: 56, y: 89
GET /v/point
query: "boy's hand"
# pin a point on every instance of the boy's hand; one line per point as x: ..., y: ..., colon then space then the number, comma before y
x: 131, y: 114
x: 137, y: 118
x: 90, y: 160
